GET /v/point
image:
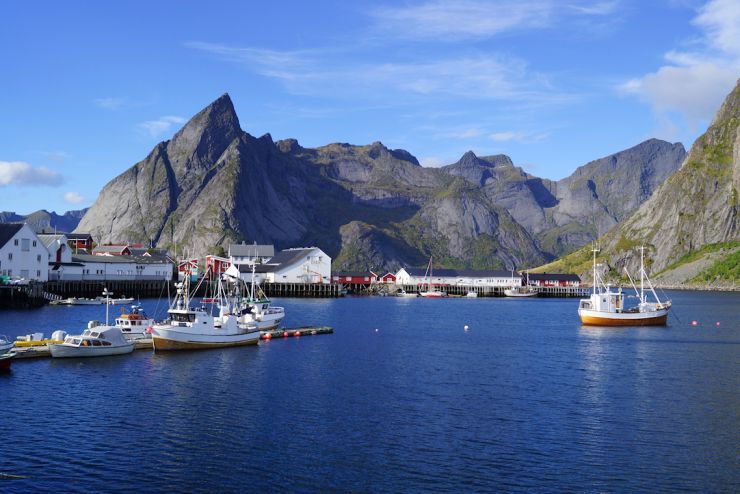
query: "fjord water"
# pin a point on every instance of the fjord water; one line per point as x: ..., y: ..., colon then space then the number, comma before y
x: 399, y: 399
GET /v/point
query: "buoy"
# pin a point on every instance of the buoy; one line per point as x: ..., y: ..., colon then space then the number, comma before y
x: 267, y: 336
x: 465, y: 327
x: 285, y: 334
x: 376, y: 330
x: 694, y: 323
x: 297, y: 333
x: 149, y: 330
x: 717, y: 324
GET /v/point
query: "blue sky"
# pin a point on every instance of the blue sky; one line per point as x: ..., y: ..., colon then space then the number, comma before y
x: 88, y: 88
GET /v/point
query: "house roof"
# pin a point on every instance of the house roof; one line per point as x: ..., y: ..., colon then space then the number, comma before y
x: 553, y: 277
x: 251, y: 250
x: 85, y: 258
x: 49, y: 238
x: 461, y: 273
x: 111, y: 248
x: 356, y: 274
x: 79, y: 236
x: 283, y: 258
x: 7, y: 231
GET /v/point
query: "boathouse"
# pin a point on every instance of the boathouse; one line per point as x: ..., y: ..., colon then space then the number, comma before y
x: 301, y: 265
x: 388, y: 278
x: 554, y: 279
x: 112, y: 250
x: 455, y: 277
x: 109, y: 267
x: 355, y: 278
x: 249, y: 254
x: 22, y: 254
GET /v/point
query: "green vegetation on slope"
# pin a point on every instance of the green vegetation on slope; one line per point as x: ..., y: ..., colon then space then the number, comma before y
x: 726, y: 270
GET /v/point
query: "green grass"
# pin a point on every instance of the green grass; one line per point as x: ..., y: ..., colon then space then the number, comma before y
x: 699, y: 253
x: 726, y: 269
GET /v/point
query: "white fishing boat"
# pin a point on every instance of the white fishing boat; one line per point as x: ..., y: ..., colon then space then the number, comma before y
x: 134, y: 324
x: 606, y: 307
x: 254, y: 308
x: 98, y: 341
x: 93, y: 301
x: 194, y: 328
x: 430, y: 292
x: 520, y: 291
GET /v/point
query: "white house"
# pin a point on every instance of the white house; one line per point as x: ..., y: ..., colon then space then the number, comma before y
x: 462, y: 277
x: 240, y: 254
x: 103, y: 268
x: 22, y: 254
x: 57, y: 245
x: 304, y: 265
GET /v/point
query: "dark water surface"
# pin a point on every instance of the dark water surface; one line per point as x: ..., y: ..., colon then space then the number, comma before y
x: 526, y: 400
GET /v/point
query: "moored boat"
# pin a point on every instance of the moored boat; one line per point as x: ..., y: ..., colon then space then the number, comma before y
x: 134, y: 324
x: 430, y: 291
x: 5, y: 360
x: 606, y: 307
x: 95, y: 342
x: 194, y: 328
x: 520, y: 291
x: 6, y: 344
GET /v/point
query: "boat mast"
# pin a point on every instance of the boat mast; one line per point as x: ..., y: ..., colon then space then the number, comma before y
x: 595, y: 250
x: 642, y: 274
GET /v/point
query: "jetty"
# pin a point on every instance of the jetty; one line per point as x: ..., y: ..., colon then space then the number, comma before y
x: 42, y: 350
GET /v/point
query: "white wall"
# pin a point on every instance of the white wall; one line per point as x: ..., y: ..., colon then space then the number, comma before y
x: 30, y: 259
x: 101, y: 271
x: 315, y: 267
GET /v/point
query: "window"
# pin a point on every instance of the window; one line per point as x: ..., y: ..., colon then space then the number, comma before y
x: 34, y: 243
x: 25, y: 245
x: 38, y: 273
x: 38, y: 258
x: 15, y: 242
x: 10, y: 256
x: 24, y: 273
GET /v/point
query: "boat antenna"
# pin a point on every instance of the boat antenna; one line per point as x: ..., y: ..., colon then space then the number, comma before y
x: 595, y: 250
x: 107, y: 303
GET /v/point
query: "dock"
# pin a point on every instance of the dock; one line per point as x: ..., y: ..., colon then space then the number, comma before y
x: 42, y: 351
x: 498, y: 291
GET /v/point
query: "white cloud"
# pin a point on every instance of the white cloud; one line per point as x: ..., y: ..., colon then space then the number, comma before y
x: 109, y: 103
x: 505, y: 136
x: 155, y: 128
x: 484, y: 77
x: 693, y: 83
x: 458, y: 19
x: 22, y: 173
x: 73, y: 198
x: 431, y: 161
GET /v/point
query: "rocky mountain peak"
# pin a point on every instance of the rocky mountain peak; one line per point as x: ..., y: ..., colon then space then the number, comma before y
x: 205, y: 137
x: 469, y: 159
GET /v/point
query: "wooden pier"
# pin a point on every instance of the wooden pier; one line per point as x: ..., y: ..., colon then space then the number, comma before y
x: 42, y: 351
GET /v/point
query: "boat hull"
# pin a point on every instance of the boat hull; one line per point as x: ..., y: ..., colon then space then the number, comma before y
x: 596, y: 318
x: 168, y: 339
x: 69, y: 351
x: 510, y: 293
x: 5, y: 361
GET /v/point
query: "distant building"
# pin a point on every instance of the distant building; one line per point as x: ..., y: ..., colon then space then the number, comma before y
x: 355, y: 278
x: 109, y: 267
x: 464, y: 277
x: 80, y: 241
x: 58, y: 247
x: 388, y: 278
x: 22, y: 253
x: 303, y: 265
x: 241, y: 254
x: 112, y: 250
x: 553, y: 279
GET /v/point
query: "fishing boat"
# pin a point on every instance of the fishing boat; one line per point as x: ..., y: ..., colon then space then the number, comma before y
x: 472, y: 294
x: 94, y: 342
x: 430, y: 292
x: 404, y: 293
x: 520, y: 291
x: 134, y: 324
x: 191, y: 328
x: 254, y: 308
x: 93, y: 301
x: 606, y: 306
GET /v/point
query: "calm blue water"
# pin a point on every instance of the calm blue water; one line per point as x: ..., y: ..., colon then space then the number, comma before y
x: 526, y: 400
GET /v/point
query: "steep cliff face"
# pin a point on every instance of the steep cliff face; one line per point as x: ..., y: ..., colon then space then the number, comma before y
x: 566, y: 214
x: 695, y: 212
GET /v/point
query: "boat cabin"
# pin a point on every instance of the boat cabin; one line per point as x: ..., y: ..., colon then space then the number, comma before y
x: 607, y: 301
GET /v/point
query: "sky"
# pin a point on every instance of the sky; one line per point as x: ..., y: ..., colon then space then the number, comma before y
x: 87, y: 89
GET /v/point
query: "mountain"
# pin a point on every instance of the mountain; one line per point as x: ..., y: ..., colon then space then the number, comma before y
x: 43, y: 219
x: 366, y: 206
x: 566, y: 214
x: 691, y: 224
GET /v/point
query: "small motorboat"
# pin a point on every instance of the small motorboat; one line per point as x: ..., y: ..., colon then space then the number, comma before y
x: 134, y: 324
x: 471, y: 294
x: 95, y: 342
x: 6, y: 344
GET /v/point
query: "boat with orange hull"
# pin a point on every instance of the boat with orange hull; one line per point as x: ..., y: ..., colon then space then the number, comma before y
x: 606, y: 307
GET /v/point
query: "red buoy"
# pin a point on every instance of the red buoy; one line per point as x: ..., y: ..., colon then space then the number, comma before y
x: 267, y: 336
x: 297, y: 333
x: 694, y: 323
x: 717, y: 324
x: 285, y: 334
